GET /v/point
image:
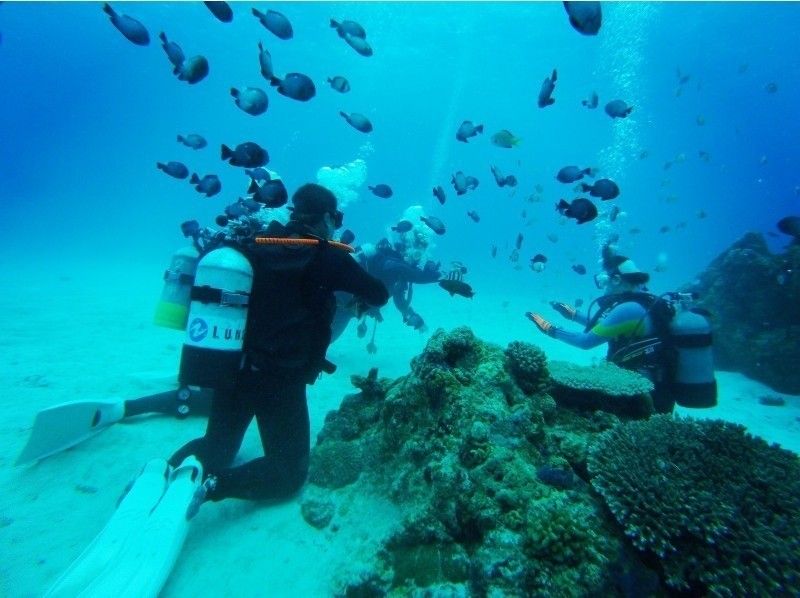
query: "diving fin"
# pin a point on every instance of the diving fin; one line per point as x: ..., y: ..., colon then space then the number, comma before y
x: 143, y: 564
x: 62, y: 426
x: 128, y: 520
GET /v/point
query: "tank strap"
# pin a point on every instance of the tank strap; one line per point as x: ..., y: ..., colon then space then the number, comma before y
x: 206, y: 294
x: 691, y: 341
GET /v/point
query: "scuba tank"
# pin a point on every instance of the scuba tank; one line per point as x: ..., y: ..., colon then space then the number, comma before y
x: 693, y: 383
x: 212, y: 349
x: 172, y: 310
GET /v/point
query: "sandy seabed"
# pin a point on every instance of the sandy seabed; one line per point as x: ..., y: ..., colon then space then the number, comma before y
x: 84, y: 332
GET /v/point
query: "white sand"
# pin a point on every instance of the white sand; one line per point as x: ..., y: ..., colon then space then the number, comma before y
x: 65, y: 339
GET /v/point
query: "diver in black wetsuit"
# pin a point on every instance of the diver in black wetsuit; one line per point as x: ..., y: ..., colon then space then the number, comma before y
x: 287, y: 335
x: 388, y: 265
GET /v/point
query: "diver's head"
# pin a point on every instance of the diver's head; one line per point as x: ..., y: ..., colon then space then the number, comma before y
x: 620, y: 274
x: 315, y: 211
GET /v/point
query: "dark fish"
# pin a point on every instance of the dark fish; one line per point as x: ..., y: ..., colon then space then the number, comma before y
x: 618, y: 109
x: 221, y: 10
x: 413, y: 319
x: 194, y: 69
x: 258, y: 174
x: 704, y: 155
x: 349, y: 28
x: 505, y: 138
x: 247, y: 154
x: 275, y: 22
x: 403, y: 226
x: 552, y: 237
x: 467, y: 130
x: 770, y: 87
x: 501, y: 180
x: 581, y: 209
x: 265, y: 62
x: 173, y: 51
x: 251, y: 99
x: 537, y: 262
x: 438, y: 193
x: 585, y: 17
x: 472, y: 182
x: 664, y: 229
x: 384, y: 191
x: 790, y: 225
x: 612, y: 215
x: 494, y: 250
x: 434, y: 224
x: 518, y: 242
x: 243, y: 207
x: 361, y: 329
x: 682, y: 77
x: 605, y: 189
x: 357, y: 121
x: 579, y: 269
x: 272, y: 193
x: 563, y: 479
x: 193, y: 141
x: 296, y: 86
x: 474, y: 215
x: 570, y: 174
x: 347, y: 237
x: 591, y: 103
x: 359, y: 44
x: 457, y: 287
x: 339, y: 83
x: 546, y: 91
x: 578, y: 302
x: 209, y: 184
x: 459, y: 182
x: 174, y: 169
x: 132, y: 29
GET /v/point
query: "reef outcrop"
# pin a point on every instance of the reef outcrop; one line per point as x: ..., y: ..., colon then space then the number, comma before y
x: 753, y: 296
x: 504, y: 491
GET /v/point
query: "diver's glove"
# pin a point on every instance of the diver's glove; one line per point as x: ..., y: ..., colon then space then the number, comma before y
x: 565, y: 310
x: 542, y: 324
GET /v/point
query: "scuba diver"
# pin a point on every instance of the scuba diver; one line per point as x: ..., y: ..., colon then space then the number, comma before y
x: 296, y: 269
x: 387, y: 264
x: 663, y: 338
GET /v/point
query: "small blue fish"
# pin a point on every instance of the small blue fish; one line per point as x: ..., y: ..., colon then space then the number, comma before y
x: 275, y: 22
x: 193, y: 141
x: 618, y: 109
x: 174, y: 169
x: 357, y: 121
x: 208, y: 185
x: 252, y: 100
x: 339, y: 83
x: 173, y: 51
x: 349, y: 28
x: 359, y: 44
x: 265, y: 62
x: 545, y: 93
x: 383, y: 191
x: 132, y: 29
x: 221, y: 10
x: 194, y: 70
x: 296, y: 86
x: 585, y: 17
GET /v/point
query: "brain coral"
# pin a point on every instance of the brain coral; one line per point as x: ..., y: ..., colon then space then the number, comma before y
x: 719, y: 507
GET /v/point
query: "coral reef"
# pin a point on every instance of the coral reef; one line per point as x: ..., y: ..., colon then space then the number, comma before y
x: 753, y: 296
x: 719, y: 508
x: 502, y: 492
x: 604, y: 386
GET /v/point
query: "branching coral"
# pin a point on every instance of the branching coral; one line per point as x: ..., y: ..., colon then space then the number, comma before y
x: 720, y: 508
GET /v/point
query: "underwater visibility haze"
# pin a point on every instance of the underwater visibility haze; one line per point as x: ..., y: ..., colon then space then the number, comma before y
x: 507, y: 143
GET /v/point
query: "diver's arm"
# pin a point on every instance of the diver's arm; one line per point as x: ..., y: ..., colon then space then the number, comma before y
x: 581, y: 340
x: 570, y: 313
x: 400, y: 270
x: 347, y: 275
x: 624, y: 320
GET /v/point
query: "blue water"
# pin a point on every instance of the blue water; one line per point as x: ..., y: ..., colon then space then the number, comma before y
x: 86, y: 114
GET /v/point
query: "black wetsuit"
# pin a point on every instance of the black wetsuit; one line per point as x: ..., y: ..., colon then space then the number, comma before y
x: 288, y: 332
x: 388, y: 266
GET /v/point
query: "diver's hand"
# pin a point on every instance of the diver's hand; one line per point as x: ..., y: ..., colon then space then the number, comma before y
x: 565, y: 310
x: 432, y: 271
x: 542, y: 324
